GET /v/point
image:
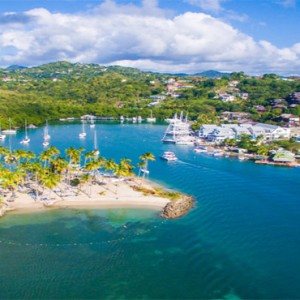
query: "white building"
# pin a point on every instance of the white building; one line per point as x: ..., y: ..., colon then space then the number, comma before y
x: 206, y: 129
x: 274, y: 132
x: 216, y: 133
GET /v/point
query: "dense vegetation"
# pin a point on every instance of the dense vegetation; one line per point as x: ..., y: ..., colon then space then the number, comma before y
x: 61, y: 89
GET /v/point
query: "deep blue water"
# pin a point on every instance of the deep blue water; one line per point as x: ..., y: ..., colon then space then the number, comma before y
x: 242, y: 240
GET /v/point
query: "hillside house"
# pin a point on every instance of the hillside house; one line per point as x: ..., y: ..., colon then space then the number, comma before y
x: 294, y: 98
x: 290, y: 120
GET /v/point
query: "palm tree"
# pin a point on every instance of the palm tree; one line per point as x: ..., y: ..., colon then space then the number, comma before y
x: 141, y: 165
x: 49, y: 179
x: 12, y: 179
x: 92, y: 166
x: 123, y: 169
x: 36, y: 170
x: 49, y: 154
x: 89, y: 156
x: 146, y: 157
x: 10, y: 159
x: 59, y: 165
x: 110, y: 165
x: 74, y: 158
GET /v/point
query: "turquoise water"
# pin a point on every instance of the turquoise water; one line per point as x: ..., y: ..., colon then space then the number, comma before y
x: 242, y: 239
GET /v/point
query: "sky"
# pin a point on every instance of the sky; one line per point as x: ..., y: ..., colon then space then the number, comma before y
x: 176, y: 36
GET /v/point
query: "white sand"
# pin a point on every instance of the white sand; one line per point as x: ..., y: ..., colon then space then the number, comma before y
x: 106, y: 195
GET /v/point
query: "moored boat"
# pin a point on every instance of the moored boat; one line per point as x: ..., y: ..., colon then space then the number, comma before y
x: 82, y: 135
x: 151, y: 118
x: 10, y: 130
x: 200, y: 149
x: 26, y: 139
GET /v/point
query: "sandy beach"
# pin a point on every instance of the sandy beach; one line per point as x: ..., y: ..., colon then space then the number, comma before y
x: 107, y: 194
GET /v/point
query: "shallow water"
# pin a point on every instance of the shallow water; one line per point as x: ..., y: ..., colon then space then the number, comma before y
x: 242, y: 239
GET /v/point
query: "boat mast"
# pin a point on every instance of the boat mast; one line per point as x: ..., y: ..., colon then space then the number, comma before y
x: 26, y: 136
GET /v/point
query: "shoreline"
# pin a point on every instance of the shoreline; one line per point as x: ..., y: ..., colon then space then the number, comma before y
x: 120, y: 194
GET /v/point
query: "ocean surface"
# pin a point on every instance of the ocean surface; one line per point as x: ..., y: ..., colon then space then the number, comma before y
x: 242, y: 240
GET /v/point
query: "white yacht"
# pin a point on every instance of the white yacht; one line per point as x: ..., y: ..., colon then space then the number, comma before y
x: 9, y: 131
x: 82, y: 135
x: 178, y: 131
x: 26, y: 139
x: 169, y: 156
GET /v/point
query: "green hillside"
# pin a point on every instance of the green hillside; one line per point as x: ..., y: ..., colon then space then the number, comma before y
x: 62, y: 89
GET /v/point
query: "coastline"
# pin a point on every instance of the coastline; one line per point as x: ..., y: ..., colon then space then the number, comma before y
x: 109, y: 194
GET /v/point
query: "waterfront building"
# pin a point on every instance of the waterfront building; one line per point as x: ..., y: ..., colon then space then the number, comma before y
x: 216, y: 133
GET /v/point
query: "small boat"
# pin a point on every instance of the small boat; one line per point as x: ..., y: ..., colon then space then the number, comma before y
x: 134, y: 119
x: 9, y: 131
x: 169, y: 156
x: 2, y: 136
x: 145, y: 171
x: 139, y: 119
x: 26, y: 139
x: 45, y: 143
x: 217, y: 153
x: 200, y: 149
x: 82, y: 135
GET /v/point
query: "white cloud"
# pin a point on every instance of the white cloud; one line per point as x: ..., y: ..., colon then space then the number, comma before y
x: 208, y: 5
x: 145, y: 37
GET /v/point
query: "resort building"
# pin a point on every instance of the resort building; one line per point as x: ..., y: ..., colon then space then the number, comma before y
x: 218, y: 134
x: 206, y: 129
x: 274, y: 132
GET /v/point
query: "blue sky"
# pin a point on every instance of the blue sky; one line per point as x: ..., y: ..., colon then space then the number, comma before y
x: 255, y: 36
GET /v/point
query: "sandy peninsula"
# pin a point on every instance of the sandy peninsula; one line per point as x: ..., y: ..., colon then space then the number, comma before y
x: 106, y: 194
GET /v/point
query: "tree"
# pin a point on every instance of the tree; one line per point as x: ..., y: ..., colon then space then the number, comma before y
x: 146, y: 157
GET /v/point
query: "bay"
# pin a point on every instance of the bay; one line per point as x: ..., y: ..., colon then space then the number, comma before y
x: 242, y: 239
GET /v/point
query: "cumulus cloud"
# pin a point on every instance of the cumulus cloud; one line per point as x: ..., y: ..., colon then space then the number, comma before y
x: 144, y: 36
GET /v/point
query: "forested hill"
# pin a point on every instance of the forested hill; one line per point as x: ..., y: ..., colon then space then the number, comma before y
x: 61, y: 89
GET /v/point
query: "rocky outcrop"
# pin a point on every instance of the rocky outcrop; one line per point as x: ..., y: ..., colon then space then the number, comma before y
x: 176, y: 209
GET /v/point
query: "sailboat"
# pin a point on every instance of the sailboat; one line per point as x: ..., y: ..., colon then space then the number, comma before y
x: 46, y: 137
x: 2, y: 136
x: 95, y: 151
x: 151, y: 119
x: 82, y: 135
x: 92, y: 124
x: 46, y: 133
x: 26, y: 139
x: 9, y: 131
